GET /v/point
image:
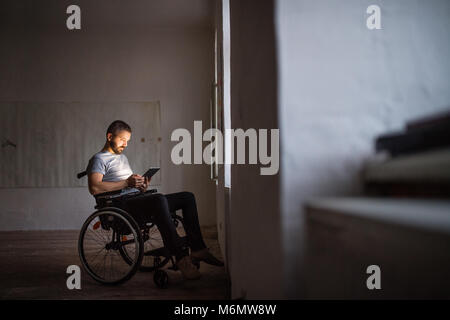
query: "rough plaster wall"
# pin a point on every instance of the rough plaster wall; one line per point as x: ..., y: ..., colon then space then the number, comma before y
x: 108, y: 63
x: 254, y: 224
x: 340, y: 86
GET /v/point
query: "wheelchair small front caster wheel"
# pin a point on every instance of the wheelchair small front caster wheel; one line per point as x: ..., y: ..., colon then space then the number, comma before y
x: 161, y: 279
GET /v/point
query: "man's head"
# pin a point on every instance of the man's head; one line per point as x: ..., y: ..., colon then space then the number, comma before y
x: 117, y: 136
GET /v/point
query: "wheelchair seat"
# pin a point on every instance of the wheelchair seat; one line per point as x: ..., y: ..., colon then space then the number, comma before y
x: 115, y: 198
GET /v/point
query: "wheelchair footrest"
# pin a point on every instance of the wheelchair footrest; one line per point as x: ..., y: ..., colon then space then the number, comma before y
x: 160, y: 252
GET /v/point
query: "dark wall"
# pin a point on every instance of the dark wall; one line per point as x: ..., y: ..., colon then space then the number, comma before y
x: 255, y: 261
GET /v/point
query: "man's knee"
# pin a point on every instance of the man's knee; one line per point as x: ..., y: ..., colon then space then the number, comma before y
x: 188, y: 195
x: 158, y: 202
x: 159, y: 199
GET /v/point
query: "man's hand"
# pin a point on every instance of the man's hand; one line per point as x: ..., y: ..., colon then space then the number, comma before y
x: 135, y: 181
x: 145, y: 185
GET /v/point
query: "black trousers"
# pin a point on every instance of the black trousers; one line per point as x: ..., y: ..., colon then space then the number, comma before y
x: 158, y: 207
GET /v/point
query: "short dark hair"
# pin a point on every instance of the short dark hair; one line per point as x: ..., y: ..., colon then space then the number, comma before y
x: 117, y: 126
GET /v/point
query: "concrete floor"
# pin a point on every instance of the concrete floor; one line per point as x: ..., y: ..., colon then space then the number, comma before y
x: 33, y: 266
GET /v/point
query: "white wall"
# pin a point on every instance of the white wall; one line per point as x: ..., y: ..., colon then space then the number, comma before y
x: 341, y: 85
x: 106, y: 62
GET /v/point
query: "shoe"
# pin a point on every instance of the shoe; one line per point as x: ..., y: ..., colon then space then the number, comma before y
x: 205, y: 256
x: 188, y: 270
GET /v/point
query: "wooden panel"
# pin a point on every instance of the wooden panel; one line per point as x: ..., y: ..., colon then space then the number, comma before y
x: 47, y: 144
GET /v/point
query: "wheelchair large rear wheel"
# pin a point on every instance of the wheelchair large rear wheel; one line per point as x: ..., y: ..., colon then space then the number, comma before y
x: 104, y: 235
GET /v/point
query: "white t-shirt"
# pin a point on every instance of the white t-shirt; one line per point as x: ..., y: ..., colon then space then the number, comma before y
x: 114, y: 167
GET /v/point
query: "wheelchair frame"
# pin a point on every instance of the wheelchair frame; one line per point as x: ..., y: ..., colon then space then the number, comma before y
x: 113, y: 232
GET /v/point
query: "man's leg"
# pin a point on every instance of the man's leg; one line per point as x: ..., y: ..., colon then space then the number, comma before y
x: 156, y: 206
x: 185, y: 201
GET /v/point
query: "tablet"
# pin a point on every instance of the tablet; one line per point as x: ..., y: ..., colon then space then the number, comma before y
x: 150, y: 172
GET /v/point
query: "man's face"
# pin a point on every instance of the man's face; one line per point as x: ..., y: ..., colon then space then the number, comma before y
x: 119, y: 142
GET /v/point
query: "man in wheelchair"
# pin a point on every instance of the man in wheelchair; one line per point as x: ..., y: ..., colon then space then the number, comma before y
x: 109, y: 170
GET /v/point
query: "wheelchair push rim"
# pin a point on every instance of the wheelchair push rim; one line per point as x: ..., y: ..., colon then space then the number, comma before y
x: 102, y: 238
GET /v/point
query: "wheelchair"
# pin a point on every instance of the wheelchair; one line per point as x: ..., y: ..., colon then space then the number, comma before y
x: 112, y: 246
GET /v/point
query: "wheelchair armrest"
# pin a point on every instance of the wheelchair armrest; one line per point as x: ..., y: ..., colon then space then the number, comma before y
x: 116, y: 193
x: 107, y: 194
x: 108, y: 198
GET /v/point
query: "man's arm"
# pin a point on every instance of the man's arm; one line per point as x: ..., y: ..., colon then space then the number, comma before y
x: 96, y: 185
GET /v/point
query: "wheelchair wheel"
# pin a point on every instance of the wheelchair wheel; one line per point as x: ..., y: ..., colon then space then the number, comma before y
x: 104, y: 235
x: 161, y: 279
x: 155, y: 254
